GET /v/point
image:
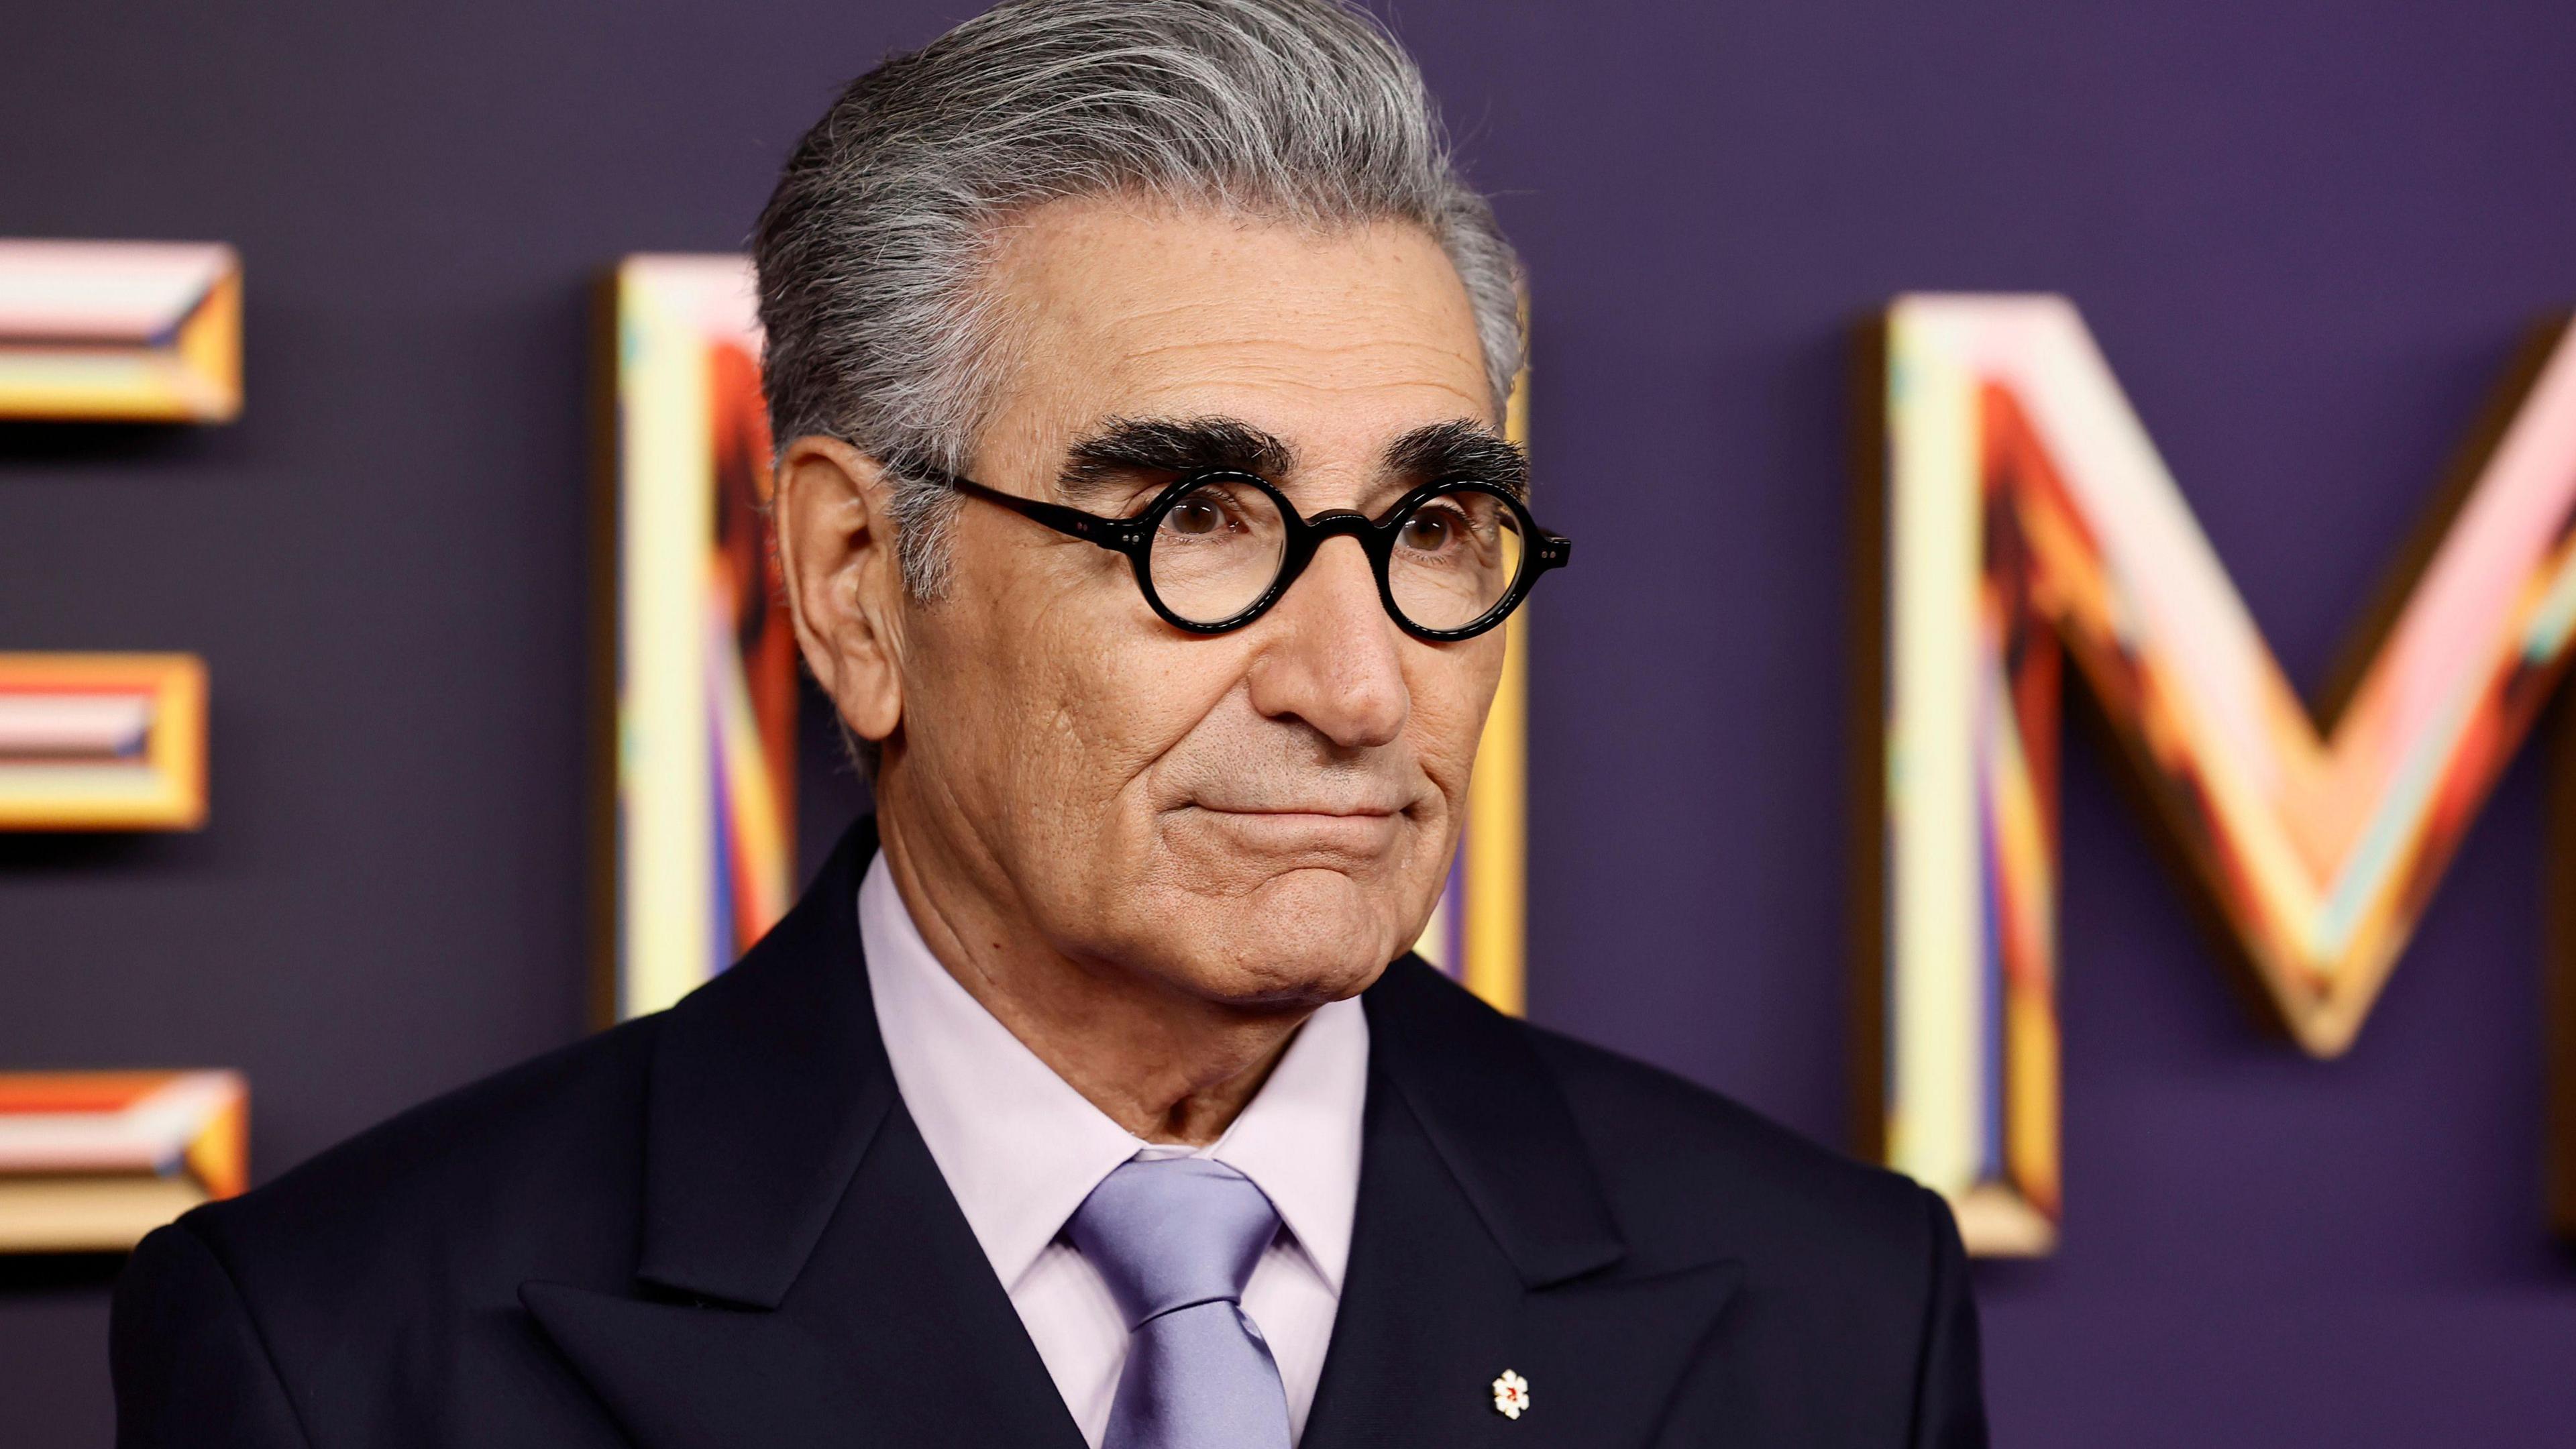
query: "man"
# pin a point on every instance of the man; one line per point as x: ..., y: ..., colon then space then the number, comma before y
x: 1144, y: 509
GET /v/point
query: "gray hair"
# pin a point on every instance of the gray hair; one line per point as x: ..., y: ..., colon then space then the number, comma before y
x: 872, y: 250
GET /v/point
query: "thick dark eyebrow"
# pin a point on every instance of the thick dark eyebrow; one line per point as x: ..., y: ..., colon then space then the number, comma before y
x: 1128, y: 446
x: 1460, y: 448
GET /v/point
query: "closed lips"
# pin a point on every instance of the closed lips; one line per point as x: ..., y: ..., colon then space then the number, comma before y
x: 1336, y: 812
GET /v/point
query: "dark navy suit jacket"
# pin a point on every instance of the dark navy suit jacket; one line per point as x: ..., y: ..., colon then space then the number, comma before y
x: 718, y: 1226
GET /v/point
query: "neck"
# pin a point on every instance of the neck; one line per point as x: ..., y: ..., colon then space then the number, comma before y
x: 1163, y: 1063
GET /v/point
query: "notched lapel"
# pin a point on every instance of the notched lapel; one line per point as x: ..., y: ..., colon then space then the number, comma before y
x: 845, y: 1300
x: 1430, y: 1306
x: 712, y: 1378
x: 1433, y: 1311
x: 895, y: 1336
x: 1603, y: 1358
x: 1483, y: 1243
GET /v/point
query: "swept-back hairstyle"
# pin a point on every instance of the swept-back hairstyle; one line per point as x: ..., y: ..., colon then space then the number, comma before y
x: 871, y: 252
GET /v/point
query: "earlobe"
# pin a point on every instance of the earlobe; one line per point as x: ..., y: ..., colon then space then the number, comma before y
x: 836, y: 550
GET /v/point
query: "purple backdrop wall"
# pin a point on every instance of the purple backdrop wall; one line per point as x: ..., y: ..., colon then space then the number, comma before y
x: 2306, y: 235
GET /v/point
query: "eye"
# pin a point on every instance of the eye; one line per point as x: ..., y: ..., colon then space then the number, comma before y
x: 1432, y: 529
x: 1195, y: 516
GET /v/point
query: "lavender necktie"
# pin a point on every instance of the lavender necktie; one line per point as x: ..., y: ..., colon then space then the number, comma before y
x: 1177, y: 1240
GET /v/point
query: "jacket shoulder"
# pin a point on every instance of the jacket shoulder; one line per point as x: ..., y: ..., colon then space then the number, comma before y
x: 370, y: 1285
x: 1853, y: 1322
x: 1690, y: 1171
x: 532, y: 1171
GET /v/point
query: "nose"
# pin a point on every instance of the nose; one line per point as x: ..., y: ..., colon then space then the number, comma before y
x: 1332, y: 656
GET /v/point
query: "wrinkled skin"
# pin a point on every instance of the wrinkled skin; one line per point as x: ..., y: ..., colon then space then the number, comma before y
x: 1152, y: 854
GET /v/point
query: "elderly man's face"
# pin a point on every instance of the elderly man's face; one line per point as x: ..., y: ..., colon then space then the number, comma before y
x: 1259, y: 816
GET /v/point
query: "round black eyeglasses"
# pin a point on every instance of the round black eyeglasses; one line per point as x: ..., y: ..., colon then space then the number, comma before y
x: 1217, y: 548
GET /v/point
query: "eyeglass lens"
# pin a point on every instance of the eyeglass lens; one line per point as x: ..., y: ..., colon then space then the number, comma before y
x: 1219, y: 547
x: 1216, y: 550
x: 1456, y: 555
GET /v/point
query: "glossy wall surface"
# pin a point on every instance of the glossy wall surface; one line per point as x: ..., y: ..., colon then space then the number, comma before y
x: 2306, y: 236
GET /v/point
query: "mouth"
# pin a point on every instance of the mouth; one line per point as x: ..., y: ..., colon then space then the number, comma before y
x: 1339, y: 830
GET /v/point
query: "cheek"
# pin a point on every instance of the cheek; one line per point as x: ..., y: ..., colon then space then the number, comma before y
x: 1095, y: 721
x: 1128, y: 698
x: 1075, y: 697
x: 1452, y: 692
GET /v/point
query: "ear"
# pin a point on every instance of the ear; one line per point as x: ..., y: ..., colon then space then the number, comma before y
x: 836, y: 549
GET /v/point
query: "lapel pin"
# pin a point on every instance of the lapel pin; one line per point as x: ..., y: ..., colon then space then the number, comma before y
x: 1511, y: 1395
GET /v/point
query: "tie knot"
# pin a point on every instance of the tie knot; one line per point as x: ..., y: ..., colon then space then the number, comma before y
x: 1167, y: 1235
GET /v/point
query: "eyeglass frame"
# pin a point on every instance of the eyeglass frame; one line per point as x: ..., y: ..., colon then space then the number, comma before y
x: 1134, y: 537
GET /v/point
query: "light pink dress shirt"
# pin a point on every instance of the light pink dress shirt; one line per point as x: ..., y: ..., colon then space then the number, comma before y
x: 1021, y: 1149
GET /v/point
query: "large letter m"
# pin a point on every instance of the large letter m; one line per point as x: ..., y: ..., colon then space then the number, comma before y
x: 2028, y: 518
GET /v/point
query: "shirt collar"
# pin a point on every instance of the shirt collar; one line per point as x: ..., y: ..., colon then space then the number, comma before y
x: 1299, y: 1138
x: 1021, y: 1149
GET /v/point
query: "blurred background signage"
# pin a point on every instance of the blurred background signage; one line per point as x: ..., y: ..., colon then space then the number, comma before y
x: 2024, y: 518
x: 112, y: 332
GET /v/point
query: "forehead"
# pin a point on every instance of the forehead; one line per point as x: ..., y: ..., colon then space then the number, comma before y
x: 1129, y: 309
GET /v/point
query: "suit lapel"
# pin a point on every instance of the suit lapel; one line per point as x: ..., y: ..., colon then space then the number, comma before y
x: 1483, y: 1243
x: 895, y: 1335
x: 806, y: 1277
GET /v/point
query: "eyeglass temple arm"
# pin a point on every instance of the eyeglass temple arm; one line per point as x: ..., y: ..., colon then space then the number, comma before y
x: 1115, y: 534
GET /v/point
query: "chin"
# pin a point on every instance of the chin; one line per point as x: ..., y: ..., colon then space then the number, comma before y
x: 1308, y: 937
